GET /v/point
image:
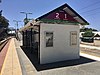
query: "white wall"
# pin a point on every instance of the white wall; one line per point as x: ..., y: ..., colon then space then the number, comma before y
x: 61, y: 50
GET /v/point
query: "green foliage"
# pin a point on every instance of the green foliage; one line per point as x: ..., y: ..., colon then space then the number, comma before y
x: 86, y: 29
x: 88, y: 33
x: 4, y: 21
x: 53, y: 21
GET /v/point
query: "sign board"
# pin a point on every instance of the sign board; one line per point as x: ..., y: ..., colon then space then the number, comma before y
x: 60, y: 15
x: 73, y: 38
x: 63, y: 15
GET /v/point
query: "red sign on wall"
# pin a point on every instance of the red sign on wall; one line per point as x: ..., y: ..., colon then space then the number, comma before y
x: 60, y: 15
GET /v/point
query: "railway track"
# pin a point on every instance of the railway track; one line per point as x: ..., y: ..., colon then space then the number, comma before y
x: 89, y: 51
x: 3, y: 43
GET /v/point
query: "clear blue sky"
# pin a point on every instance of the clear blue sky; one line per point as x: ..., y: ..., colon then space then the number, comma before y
x: 88, y: 9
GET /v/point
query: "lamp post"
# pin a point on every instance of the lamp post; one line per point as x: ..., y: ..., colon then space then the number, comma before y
x: 26, y: 19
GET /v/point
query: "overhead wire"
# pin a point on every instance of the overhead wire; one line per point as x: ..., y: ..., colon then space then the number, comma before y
x: 93, y: 4
x: 93, y: 13
x: 91, y: 10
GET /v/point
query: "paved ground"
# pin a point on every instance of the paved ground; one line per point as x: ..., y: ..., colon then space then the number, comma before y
x: 92, y: 68
x: 3, y: 54
x: 11, y: 65
x: 16, y: 57
x: 34, y: 60
x: 26, y: 66
x: 82, y: 66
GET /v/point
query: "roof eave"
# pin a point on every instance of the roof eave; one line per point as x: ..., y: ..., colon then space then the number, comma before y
x: 68, y: 7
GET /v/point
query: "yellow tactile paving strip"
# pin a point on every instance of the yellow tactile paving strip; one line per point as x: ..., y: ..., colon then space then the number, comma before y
x: 11, y: 64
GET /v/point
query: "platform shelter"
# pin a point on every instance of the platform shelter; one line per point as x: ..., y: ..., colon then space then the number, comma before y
x: 54, y: 36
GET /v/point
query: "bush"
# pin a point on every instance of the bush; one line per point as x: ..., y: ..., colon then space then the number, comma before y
x: 88, y: 33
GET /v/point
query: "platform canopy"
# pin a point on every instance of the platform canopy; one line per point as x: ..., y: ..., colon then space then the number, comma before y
x: 29, y: 25
x: 63, y: 15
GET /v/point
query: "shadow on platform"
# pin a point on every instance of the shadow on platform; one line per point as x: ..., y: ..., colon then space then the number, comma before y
x: 40, y: 67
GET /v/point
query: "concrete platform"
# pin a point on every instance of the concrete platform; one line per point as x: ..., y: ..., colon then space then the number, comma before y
x: 92, y: 68
x: 82, y: 66
x: 21, y: 62
x: 11, y: 65
x: 26, y: 65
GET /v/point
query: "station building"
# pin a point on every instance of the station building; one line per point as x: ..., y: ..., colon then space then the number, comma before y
x: 54, y: 36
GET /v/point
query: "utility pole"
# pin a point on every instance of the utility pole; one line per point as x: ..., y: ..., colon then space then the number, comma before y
x: 0, y: 10
x: 17, y: 28
x: 16, y: 23
x: 26, y: 20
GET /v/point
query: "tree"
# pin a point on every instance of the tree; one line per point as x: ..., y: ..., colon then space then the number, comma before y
x: 4, y: 22
x: 86, y: 29
x: 0, y: 1
x: 88, y: 33
x: 3, y: 26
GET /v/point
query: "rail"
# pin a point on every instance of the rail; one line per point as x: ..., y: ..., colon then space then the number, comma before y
x: 3, y: 43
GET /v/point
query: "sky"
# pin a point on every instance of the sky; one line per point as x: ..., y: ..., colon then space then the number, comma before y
x: 88, y: 9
